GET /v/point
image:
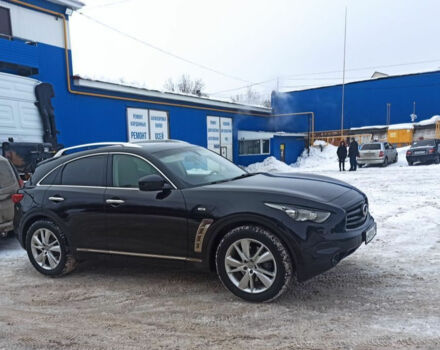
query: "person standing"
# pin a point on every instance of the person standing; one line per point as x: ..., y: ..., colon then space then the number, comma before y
x: 353, y: 152
x: 342, y: 154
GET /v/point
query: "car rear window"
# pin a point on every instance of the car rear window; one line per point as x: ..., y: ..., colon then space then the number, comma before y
x: 370, y: 147
x: 7, y: 177
x: 423, y: 143
x: 89, y: 171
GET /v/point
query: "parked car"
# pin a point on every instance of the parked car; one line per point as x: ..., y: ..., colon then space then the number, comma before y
x: 9, y: 184
x: 176, y: 201
x: 381, y: 153
x: 424, y: 151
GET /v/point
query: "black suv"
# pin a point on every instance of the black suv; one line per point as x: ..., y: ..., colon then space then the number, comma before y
x: 424, y: 151
x: 172, y: 200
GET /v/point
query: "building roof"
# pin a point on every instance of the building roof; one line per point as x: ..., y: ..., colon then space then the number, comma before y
x: 118, y: 88
x: 366, y: 80
x: 72, y: 4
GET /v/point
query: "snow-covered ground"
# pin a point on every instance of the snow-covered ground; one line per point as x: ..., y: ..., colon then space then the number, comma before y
x: 384, y: 296
x: 404, y: 200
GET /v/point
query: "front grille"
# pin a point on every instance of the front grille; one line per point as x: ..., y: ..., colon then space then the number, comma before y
x: 355, y: 216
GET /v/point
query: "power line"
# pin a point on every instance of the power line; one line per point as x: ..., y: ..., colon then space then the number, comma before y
x: 88, y: 7
x: 364, y: 68
x: 242, y: 87
x: 163, y: 51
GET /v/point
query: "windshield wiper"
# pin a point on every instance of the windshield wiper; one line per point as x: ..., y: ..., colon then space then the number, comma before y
x: 232, y: 179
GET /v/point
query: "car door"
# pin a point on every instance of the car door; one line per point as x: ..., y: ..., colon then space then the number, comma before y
x: 75, y: 195
x: 143, y: 222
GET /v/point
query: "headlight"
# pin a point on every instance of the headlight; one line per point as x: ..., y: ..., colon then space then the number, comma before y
x: 301, y: 214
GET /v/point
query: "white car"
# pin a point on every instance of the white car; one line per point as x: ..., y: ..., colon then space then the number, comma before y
x: 381, y: 153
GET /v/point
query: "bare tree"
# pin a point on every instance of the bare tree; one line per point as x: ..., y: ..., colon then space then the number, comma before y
x: 251, y: 97
x: 186, y: 85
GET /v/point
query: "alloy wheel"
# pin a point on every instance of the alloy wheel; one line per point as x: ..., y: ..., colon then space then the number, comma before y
x: 46, y: 249
x: 250, y: 266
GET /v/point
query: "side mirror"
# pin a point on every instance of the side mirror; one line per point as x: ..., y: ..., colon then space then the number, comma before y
x: 153, y: 183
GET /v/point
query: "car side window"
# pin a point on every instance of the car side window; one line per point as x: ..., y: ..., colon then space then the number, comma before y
x: 88, y: 171
x: 52, y: 178
x: 127, y: 170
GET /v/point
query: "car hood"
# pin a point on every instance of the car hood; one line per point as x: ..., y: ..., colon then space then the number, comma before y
x: 307, y: 186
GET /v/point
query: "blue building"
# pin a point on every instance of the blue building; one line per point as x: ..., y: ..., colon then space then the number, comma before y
x: 377, y: 101
x: 35, y: 49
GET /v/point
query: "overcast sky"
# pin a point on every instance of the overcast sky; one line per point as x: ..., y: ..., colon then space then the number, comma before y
x: 254, y: 40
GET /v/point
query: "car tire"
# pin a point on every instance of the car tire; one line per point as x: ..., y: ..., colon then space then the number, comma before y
x: 396, y: 159
x: 47, y: 249
x: 243, y: 274
x: 385, y: 162
x: 437, y: 160
x: 410, y: 163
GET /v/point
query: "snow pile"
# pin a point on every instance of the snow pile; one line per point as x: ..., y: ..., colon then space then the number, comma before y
x: 327, y: 159
x: 429, y: 121
x: 401, y: 126
x: 269, y: 165
x: 315, y: 161
x: 319, y: 143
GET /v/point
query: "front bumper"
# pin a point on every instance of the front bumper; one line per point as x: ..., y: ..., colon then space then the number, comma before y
x: 327, y: 251
x: 6, y: 226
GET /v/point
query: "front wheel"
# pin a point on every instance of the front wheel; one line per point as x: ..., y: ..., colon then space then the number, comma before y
x: 253, y: 264
x: 47, y: 249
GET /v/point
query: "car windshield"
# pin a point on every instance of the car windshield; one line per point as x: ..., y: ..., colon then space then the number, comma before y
x: 197, y: 166
x: 423, y: 143
x: 370, y: 146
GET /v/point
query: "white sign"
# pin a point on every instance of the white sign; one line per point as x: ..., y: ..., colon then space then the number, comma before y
x: 213, y: 133
x: 219, y: 133
x: 158, y: 125
x: 226, y: 137
x: 137, y: 125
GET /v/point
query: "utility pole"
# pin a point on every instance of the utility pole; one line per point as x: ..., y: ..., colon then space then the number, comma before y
x: 343, y: 75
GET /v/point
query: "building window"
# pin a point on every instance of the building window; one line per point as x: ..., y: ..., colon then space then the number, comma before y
x: 254, y: 147
x: 5, y: 23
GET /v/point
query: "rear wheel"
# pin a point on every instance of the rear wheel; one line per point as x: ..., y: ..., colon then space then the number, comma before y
x: 410, y: 163
x: 437, y: 160
x: 47, y: 249
x: 253, y: 264
x: 385, y: 162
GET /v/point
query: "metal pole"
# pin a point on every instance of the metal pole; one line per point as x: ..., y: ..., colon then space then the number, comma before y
x: 343, y: 75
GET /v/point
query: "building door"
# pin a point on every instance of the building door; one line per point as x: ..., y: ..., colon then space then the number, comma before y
x: 219, y: 134
x: 283, y: 152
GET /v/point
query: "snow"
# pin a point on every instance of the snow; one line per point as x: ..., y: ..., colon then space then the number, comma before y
x: 429, y: 121
x: 319, y: 143
x: 401, y: 126
x: 370, y: 127
x: 404, y: 201
x: 11, y: 249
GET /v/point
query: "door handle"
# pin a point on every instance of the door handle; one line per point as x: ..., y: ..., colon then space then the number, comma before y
x: 115, y: 201
x: 56, y: 199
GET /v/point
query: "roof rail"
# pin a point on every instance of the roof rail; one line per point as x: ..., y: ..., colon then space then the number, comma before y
x: 96, y: 144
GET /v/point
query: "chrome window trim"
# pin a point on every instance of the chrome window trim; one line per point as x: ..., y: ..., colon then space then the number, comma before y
x: 144, y: 255
x: 98, y: 154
